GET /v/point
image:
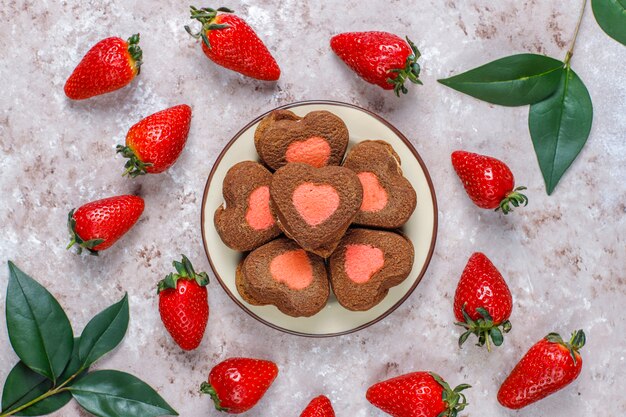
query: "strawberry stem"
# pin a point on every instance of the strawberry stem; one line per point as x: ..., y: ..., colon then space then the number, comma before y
x: 411, y: 71
x: 134, y: 166
x: 207, y: 388
x: 135, y: 51
x: 486, y: 330
x: 514, y: 198
x: 576, y: 342
x: 184, y: 270
x: 206, y: 16
x: 453, y: 398
x: 77, y: 240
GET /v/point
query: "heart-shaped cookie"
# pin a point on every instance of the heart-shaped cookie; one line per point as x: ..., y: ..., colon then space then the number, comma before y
x: 245, y: 222
x: 366, y: 264
x: 285, y: 275
x: 319, y: 139
x: 315, y: 206
x: 388, y: 197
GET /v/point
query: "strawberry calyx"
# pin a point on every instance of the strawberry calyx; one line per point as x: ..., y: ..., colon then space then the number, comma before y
x: 77, y: 240
x: 576, y: 342
x: 184, y: 270
x: 135, y: 51
x: 454, y: 399
x: 134, y: 166
x: 207, y: 388
x: 514, y: 198
x: 411, y: 71
x: 485, y: 328
x: 206, y: 16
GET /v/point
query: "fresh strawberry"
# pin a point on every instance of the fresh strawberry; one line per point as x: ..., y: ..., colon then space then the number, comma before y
x: 155, y: 143
x: 482, y: 302
x: 379, y: 58
x: 488, y: 181
x: 183, y: 304
x: 319, y: 407
x: 418, y: 394
x: 237, y: 384
x: 99, y: 224
x: 228, y: 41
x: 550, y: 365
x: 109, y: 65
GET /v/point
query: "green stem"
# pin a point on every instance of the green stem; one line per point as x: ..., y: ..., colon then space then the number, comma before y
x: 42, y: 397
x: 570, y: 52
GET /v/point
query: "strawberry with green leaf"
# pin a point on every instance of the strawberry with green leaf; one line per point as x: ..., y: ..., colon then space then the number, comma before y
x: 549, y: 366
x: 231, y: 43
x: 183, y: 304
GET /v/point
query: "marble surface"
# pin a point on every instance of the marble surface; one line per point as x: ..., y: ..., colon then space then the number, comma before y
x: 563, y: 256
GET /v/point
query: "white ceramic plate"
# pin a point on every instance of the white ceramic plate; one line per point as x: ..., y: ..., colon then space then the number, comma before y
x: 333, y: 320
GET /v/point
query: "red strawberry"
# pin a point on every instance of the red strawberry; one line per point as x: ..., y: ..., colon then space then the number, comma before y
x: 99, y: 224
x: 183, y: 304
x: 155, y: 143
x: 550, y: 365
x: 488, y: 181
x: 228, y: 41
x: 237, y: 384
x: 109, y: 65
x: 482, y: 302
x: 418, y: 394
x: 379, y: 58
x: 319, y: 407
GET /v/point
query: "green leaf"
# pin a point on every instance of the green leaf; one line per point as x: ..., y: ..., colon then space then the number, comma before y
x: 24, y: 385
x: 38, y: 328
x: 611, y: 16
x: 104, y: 332
x: 118, y: 394
x: 515, y: 80
x: 560, y: 126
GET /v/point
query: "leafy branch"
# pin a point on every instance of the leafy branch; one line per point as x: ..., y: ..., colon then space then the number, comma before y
x: 54, y: 366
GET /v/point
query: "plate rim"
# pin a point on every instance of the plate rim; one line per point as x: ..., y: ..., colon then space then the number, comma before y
x: 428, y: 180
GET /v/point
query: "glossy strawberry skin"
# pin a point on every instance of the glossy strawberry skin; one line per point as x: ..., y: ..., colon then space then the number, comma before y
x: 372, y: 55
x: 238, y: 48
x: 237, y: 384
x: 487, y: 181
x: 416, y: 394
x: 185, y: 313
x: 482, y: 285
x: 546, y: 368
x: 107, y: 66
x: 107, y: 219
x: 158, y: 140
x: 319, y: 407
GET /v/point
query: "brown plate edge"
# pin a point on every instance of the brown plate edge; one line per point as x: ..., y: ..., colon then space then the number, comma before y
x: 428, y: 180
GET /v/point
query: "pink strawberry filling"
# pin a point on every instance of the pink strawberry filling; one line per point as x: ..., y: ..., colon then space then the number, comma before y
x: 258, y: 215
x: 362, y: 262
x: 314, y: 151
x: 293, y: 269
x: 374, y: 195
x: 315, y: 203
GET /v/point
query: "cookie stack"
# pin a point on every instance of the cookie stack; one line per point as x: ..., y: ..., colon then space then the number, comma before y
x: 339, y: 216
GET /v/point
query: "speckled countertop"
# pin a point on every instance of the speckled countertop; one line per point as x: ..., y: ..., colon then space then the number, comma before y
x: 563, y: 256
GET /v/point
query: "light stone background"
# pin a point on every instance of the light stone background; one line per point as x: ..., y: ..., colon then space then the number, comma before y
x: 563, y: 256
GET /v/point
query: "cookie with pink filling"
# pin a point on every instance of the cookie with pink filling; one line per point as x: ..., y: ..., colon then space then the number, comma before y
x: 388, y: 197
x: 366, y: 264
x: 319, y: 139
x: 245, y: 221
x: 283, y: 274
x: 315, y: 206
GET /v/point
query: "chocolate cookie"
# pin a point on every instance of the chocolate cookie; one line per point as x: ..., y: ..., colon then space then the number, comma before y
x: 319, y: 139
x: 283, y: 274
x: 366, y: 264
x: 245, y: 222
x: 315, y: 206
x: 388, y: 197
